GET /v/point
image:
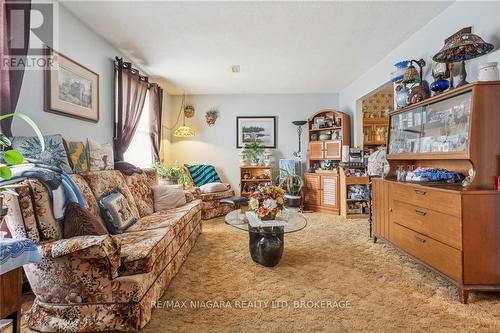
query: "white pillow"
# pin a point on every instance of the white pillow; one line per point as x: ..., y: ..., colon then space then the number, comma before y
x: 168, y: 197
x: 213, y: 187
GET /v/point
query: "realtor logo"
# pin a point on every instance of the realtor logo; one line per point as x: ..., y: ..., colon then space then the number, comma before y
x: 31, y: 27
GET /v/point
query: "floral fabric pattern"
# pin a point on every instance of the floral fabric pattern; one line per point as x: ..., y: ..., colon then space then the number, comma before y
x: 211, y: 207
x: 50, y: 229
x: 87, y: 195
x: 141, y: 184
x: 104, y: 182
x: 28, y: 214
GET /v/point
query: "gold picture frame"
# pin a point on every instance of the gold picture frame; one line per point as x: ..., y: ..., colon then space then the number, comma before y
x: 71, y: 89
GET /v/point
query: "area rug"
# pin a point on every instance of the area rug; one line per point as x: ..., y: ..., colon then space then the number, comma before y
x: 332, y: 278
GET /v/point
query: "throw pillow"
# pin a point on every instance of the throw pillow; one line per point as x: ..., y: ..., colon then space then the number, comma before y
x: 168, y: 197
x: 213, y: 187
x: 79, y: 221
x: 116, y: 212
x: 100, y: 155
x: 54, y: 153
x: 77, y: 154
x: 203, y: 174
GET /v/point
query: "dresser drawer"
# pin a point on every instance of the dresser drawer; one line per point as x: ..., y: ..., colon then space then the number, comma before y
x: 442, y: 227
x: 426, y: 197
x: 442, y: 257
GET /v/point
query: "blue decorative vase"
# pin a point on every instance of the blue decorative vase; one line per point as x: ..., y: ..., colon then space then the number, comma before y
x: 440, y: 85
x: 402, y: 97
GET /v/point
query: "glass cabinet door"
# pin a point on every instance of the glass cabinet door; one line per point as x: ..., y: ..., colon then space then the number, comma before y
x: 405, y: 132
x: 445, y: 125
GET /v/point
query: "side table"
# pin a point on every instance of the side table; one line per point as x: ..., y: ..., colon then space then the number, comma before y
x: 14, y: 253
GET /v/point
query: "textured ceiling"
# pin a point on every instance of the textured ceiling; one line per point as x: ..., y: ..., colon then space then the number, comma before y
x: 282, y: 47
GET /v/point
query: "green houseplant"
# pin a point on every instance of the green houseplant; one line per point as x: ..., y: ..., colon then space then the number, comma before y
x: 11, y: 157
x: 172, y: 174
x: 253, y: 151
x: 292, y: 184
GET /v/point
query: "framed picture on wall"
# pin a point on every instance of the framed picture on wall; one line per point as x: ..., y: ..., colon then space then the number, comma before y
x: 260, y: 128
x: 71, y: 89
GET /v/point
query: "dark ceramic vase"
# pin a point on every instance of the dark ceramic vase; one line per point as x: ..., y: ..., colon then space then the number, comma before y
x: 266, y: 245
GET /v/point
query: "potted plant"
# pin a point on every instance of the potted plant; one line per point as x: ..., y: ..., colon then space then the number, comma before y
x: 292, y: 184
x: 253, y: 150
x: 172, y: 174
x: 12, y: 157
x: 267, y: 202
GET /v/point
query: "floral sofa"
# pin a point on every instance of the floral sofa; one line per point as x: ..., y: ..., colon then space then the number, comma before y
x: 109, y: 282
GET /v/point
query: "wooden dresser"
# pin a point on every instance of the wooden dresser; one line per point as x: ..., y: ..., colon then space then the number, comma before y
x: 451, y: 229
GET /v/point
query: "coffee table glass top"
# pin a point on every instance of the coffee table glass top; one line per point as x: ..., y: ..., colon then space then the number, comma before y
x: 294, y: 222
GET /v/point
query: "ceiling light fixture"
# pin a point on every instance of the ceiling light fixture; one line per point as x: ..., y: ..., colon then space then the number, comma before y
x: 185, y: 131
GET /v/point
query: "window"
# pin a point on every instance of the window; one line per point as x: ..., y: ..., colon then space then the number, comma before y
x: 140, y: 151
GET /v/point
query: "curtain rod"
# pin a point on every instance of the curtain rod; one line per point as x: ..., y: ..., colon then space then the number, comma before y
x: 118, y: 62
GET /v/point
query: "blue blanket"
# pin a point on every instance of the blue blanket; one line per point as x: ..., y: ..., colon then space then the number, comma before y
x: 60, y: 186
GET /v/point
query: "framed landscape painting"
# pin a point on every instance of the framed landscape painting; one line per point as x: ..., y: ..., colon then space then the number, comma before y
x: 260, y: 128
x: 71, y: 89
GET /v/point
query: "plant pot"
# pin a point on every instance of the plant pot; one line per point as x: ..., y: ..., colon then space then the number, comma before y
x: 168, y: 181
x: 292, y: 200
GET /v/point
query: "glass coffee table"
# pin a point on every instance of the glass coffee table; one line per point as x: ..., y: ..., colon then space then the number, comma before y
x: 266, y: 243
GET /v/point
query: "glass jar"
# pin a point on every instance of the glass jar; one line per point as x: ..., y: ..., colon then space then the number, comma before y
x: 489, y: 72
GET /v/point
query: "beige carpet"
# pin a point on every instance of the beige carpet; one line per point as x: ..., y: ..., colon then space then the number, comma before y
x: 332, y: 264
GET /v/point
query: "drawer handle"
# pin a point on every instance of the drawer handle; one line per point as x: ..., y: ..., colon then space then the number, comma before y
x: 420, y: 212
x: 421, y: 192
x: 420, y: 239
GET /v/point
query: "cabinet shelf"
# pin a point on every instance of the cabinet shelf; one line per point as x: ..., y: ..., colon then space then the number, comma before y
x: 325, y: 129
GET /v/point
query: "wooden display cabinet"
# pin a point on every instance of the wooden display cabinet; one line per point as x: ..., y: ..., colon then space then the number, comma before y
x: 451, y: 229
x: 321, y: 190
x: 346, y: 183
x: 253, y: 176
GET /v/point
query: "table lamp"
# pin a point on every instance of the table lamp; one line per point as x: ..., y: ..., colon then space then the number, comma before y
x: 460, y: 47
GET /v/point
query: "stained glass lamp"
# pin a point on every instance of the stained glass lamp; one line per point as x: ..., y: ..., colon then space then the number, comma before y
x: 184, y: 132
x: 462, y: 47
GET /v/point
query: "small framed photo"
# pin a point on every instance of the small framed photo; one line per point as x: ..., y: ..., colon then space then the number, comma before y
x: 249, y: 129
x: 71, y: 89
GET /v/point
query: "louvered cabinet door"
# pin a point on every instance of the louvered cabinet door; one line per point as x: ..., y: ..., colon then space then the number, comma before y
x: 330, y: 191
x: 312, y: 189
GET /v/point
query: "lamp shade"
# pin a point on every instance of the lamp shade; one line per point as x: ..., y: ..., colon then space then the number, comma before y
x: 184, y: 132
x: 463, y: 47
x: 299, y: 122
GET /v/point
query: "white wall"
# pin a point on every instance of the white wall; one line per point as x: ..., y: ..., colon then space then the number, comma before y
x: 217, y: 145
x: 79, y: 43
x: 484, y: 17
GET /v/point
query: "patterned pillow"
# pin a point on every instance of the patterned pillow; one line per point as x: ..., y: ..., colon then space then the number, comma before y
x: 79, y: 221
x: 100, y: 155
x: 203, y: 174
x: 116, y: 212
x: 54, y: 153
x: 77, y: 154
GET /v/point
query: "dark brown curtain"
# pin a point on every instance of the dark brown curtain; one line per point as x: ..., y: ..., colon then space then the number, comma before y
x: 155, y: 107
x: 130, y: 94
x: 12, y: 79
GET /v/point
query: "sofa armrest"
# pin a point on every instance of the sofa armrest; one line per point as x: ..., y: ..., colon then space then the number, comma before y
x: 88, y: 248
x: 192, y: 193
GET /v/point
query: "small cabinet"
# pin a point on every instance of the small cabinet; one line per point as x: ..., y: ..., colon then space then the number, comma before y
x: 321, y: 192
x: 380, y: 206
x: 328, y: 150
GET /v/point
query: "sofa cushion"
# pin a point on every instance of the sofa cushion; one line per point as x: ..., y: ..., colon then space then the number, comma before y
x: 169, y: 218
x: 141, y: 249
x: 87, y: 195
x: 202, y: 174
x: 104, y: 182
x: 141, y: 185
x: 79, y: 221
x: 116, y: 212
x: 213, y: 188
x: 217, y: 195
x: 50, y: 229
x: 54, y: 153
x: 77, y: 154
x: 100, y: 155
x: 28, y: 215
x: 168, y: 197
